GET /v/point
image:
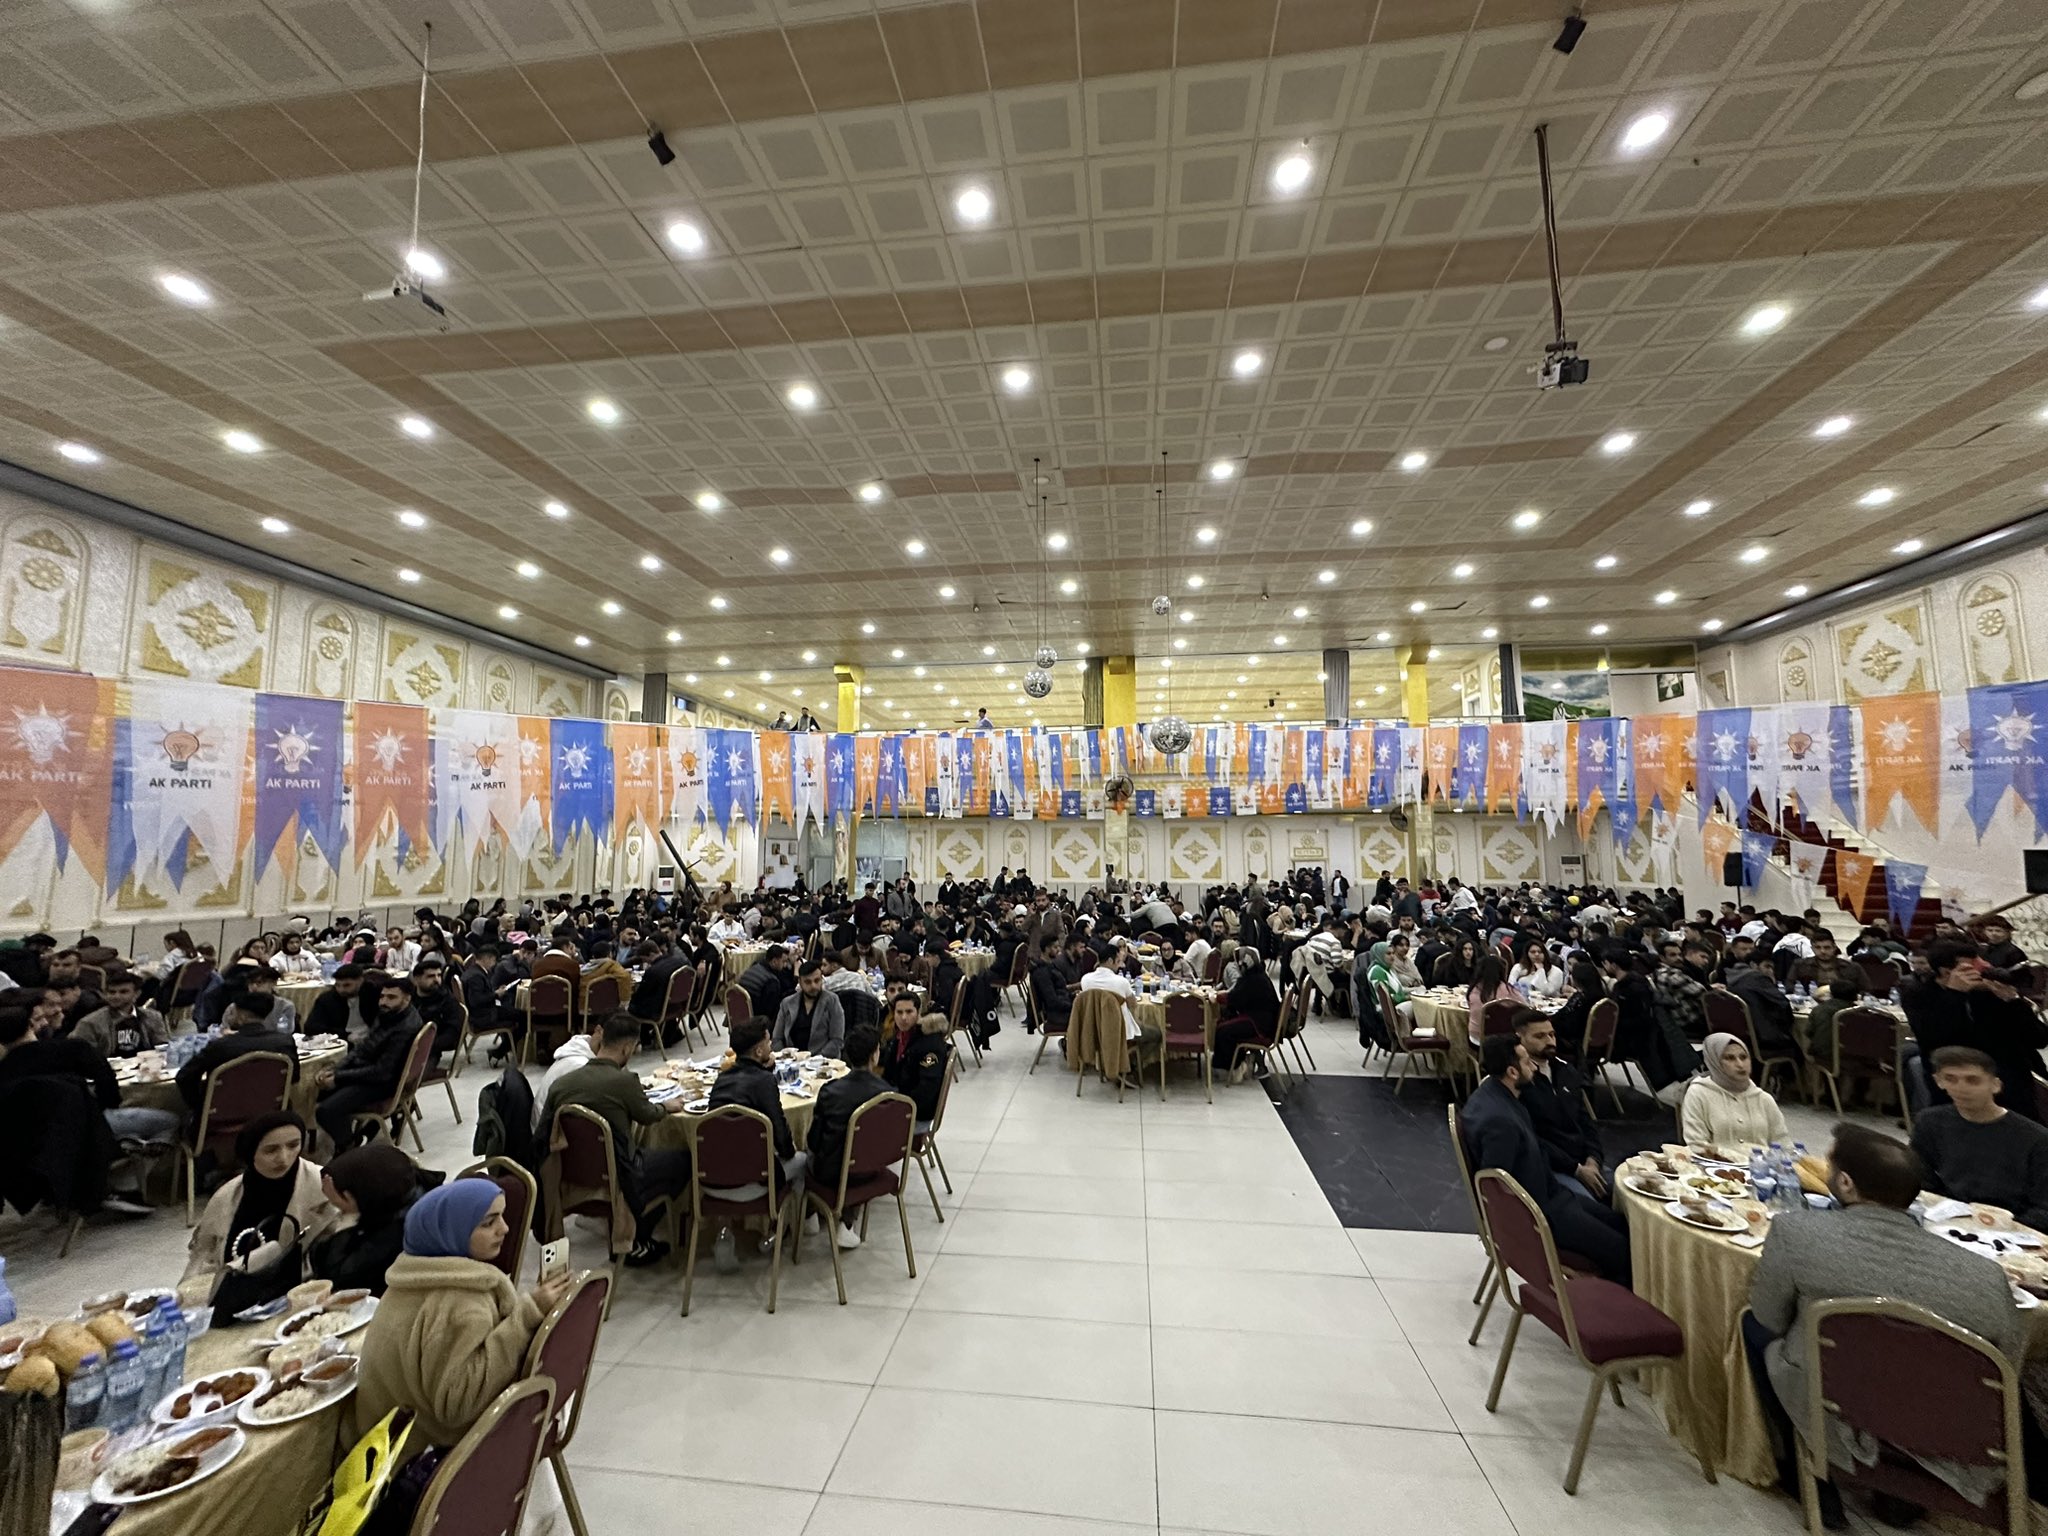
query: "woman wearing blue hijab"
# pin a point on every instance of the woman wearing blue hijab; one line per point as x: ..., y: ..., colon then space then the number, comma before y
x: 451, y: 1332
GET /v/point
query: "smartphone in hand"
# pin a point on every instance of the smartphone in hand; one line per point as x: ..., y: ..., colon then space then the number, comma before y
x: 554, y: 1260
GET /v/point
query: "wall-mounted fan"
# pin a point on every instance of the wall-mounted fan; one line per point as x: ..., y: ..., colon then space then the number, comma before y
x: 1398, y: 819
x: 1116, y: 789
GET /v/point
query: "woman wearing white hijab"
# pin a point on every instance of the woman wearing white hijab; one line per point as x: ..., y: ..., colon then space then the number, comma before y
x: 1726, y: 1109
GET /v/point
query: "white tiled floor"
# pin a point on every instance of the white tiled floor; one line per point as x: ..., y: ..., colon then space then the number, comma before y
x: 1136, y: 1317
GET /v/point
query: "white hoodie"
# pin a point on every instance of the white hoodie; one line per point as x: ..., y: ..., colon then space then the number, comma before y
x: 574, y: 1052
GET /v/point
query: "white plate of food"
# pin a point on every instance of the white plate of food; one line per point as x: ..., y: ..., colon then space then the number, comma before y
x: 1651, y: 1185
x: 1709, y: 1218
x: 210, y: 1397
x: 697, y: 1107
x: 1712, y: 1156
x: 169, y: 1465
x: 1717, y: 1185
x: 338, y: 1316
x: 300, y: 1394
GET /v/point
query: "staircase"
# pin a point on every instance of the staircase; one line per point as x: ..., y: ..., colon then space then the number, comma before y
x: 1792, y: 825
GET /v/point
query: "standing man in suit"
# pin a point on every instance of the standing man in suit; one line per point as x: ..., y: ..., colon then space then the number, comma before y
x: 1555, y: 1097
x: 1498, y: 1129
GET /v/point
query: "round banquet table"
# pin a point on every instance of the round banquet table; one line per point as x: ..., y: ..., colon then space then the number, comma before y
x: 675, y: 1131
x: 302, y: 994
x: 264, y: 1491
x: 973, y: 962
x: 1151, y: 1009
x: 1445, y: 1013
x: 161, y: 1092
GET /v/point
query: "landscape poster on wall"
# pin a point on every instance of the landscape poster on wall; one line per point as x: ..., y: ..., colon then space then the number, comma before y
x: 1565, y: 695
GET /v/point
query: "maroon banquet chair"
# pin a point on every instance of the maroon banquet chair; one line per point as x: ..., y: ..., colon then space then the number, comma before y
x: 480, y: 1488
x: 522, y: 1195
x: 733, y: 1147
x: 562, y: 1352
x: 1964, y: 1409
x: 1498, y: 1017
x: 1608, y: 1328
x: 238, y: 1091
x: 550, y: 1006
x: 880, y: 1142
x: 1597, y: 1048
x: 603, y: 997
x: 739, y: 1005
x: 1187, y: 1034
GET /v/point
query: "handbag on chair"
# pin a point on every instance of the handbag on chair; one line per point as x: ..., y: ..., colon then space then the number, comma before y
x: 355, y: 1498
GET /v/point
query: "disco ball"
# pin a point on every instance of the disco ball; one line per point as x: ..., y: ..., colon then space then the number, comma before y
x: 1162, y: 605
x: 1047, y: 657
x: 1038, y: 682
x: 1170, y: 733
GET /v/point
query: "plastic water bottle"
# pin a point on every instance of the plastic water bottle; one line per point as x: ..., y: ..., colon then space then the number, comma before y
x: 1763, y: 1179
x: 1789, y: 1187
x: 126, y: 1378
x: 86, y: 1394
x: 6, y: 1296
x: 163, y: 1351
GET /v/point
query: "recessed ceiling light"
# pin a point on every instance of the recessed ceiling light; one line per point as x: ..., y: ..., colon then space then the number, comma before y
x: 650, y: 562
x: 602, y: 411
x: 424, y: 263
x: 1360, y: 527
x: 765, y: 676
x: 1070, y: 586
x: 1279, y: 640
x: 1326, y: 576
x: 1016, y: 379
x: 974, y: 205
x: 914, y: 548
x: 1056, y: 541
x: 779, y: 555
x: 411, y: 519
x: 1301, y: 610
x: 988, y: 650
x: 1292, y: 173
x: 1463, y: 569
x: 1539, y: 601
x: 1418, y: 606
x: 1379, y: 688
x: 1756, y: 554
x: 1525, y: 519
x: 408, y: 575
x: 1205, y: 535
x: 686, y: 237
x: 1711, y: 625
x: 527, y: 569
x: 1698, y: 508
x: 803, y: 396
x: 1080, y: 647
x: 1799, y: 589
x: 610, y: 608
x: 1247, y: 363
x: 1251, y: 661
x: 946, y: 592
x: 1878, y: 496
x: 690, y: 677
x: 871, y: 492
x: 1764, y: 319
x: 674, y: 637
x: 242, y: 442
x: 184, y: 289
x: 78, y: 453
x: 1606, y: 563
x: 1434, y: 652
x: 556, y: 510
x: 1834, y: 426
x: 1645, y: 131
x: 725, y: 661
x: 275, y: 525
x: 867, y: 626
x: 1413, y: 460
x: 1664, y: 598
x: 1186, y: 616
x: 584, y: 642
x: 1616, y: 443
x: 896, y: 653
x: 1909, y: 546
x: 1384, y: 636
x: 718, y: 601
x: 2038, y: 299
x: 1197, y: 582
x: 1222, y: 469
x: 507, y: 611
x: 1488, y: 633
x: 1180, y: 642
x: 416, y: 427
x: 1598, y: 629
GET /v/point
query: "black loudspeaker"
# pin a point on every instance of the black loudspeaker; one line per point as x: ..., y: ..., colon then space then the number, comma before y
x: 1731, y: 869
x: 2037, y: 870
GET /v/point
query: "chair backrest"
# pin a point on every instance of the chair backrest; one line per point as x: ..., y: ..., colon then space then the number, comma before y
x: 1522, y: 1244
x: 1880, y: 974
x: 238, y: 1091
x: 562, y: 1351
x: 945, y: 1094
x: 550, y: 1000
x: 1458, y: 1150
x: 739, y: 1005
x: 1867, y: 1040
x: 521, y: 1195
x: 603, y: 997
x: 1038, y: 1022
x: 192, y: 978
x: 1020, y: 966
x: 675, y: 1000
x: 1498, y: 1017
x: 878, y: 1135
x: 1965, y: 1403
x: 733, y: 1146
x: 480, y: 1487
x: 1212, y: 965
x: 1184, y: 1015
x: 419, y: 1061
x: 700, y: 989
x: 1729, y: 1014
x: 1602, y: 1019
x: 589, y: 1161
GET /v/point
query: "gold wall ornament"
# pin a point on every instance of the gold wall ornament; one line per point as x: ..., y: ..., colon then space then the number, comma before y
x: 557, y: 695
x: 1194, y: 852
x: 1994, y: 630
x: 1077, y: 853
x: 43, y: 570
x: 419, y: 669
x: 616, y: 705
x: 962, y: 853
x: 328, y: 669
x: 1506, y: 852
x: 500, y: 690
x: 1795, y: 672
x: 1380, y: 847
x: 1881, y: 652
x: 201, y: 623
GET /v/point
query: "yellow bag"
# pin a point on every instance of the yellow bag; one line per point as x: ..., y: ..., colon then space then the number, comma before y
x: 361, y: 1479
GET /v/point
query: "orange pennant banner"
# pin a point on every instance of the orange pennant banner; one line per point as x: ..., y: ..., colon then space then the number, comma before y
x: 778, y: 777
x: 1852, y: 879
x: 1503, y: 766
x: 637, y: 759
x: 1902, y: 757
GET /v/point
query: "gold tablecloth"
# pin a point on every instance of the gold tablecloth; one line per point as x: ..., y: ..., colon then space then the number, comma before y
x: 1152, y: 1011
x: 974, y: 962
x: 1449, y: 1018
x: 737, y: 958
x: 162, y: 1092
x: 675, y: 1130
x: 302, y: 995
x: 267, y: 1488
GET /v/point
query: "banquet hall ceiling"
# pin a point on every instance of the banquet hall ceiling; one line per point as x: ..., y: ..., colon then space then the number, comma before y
x: 1871, y: 168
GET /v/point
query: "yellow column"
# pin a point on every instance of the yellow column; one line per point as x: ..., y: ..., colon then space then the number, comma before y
x: 850, y: 676
x: 1119, y: 690
x: 1415, y: 686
